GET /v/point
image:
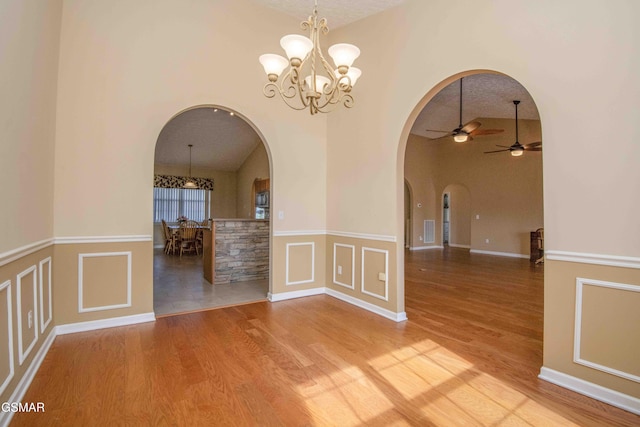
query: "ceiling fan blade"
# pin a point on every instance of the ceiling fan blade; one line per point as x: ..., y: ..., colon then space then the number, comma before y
x: 496, y: 151
x: 481, y: 132
x: 503, y: 146
x: 533, y: 144
x: 470, y: 127
x: 437, y: 130
x: 533, y: 149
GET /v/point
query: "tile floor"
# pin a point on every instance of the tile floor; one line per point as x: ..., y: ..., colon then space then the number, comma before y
x: 179, y: 286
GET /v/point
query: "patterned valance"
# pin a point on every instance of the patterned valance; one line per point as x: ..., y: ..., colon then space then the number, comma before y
x: 171, y: 181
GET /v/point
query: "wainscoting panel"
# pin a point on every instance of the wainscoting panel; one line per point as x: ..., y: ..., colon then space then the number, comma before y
x: 344, y: 260
x: 592, y: 315
x: 26, y: 291
x: 46, y: 305
x: 607, y: 317
x: 374, y: 277
x: 300, y: 263
x: 375, y: 273
x: 7, y: 367
x: 98, y: 291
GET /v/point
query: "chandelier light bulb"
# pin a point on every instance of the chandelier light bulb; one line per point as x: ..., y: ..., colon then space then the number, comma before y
x: 273, y: 64
x: 296, y: 46
x: 344, y: 54
x: 354, y: 74
x: 321, y: 82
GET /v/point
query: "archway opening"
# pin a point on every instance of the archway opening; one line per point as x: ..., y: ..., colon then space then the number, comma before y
x: 226, y: 259
x: 475, y: 284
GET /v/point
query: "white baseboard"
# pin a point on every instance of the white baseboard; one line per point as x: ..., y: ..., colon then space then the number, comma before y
x: 455, y: 245
x: 422, y: 248
x: 595, y: 391
x: 294, y: 294
x: 396, y: 317
x: 505, y: 254
x: 30, y: 373
x: 72, y: 328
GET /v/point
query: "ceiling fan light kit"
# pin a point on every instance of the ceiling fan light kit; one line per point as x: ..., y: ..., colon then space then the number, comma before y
x: 306, y: 79
x: 461, y: 137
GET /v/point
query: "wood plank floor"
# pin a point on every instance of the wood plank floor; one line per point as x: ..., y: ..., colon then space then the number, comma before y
x: 469, y: 355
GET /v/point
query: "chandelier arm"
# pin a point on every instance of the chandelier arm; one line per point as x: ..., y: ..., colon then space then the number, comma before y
x: 298, y: 88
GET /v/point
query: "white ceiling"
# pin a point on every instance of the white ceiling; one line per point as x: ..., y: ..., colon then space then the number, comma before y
x: 337, y: 12
x: 220, y: 141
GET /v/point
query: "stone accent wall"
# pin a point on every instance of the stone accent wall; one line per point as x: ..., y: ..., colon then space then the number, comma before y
x: 242, y: 250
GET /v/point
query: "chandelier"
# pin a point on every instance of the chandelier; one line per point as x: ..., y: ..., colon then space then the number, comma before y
x: 306, y: 79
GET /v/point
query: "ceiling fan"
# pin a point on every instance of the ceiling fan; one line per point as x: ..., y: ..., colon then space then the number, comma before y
x: 469, y: 130
x: 518, y: 149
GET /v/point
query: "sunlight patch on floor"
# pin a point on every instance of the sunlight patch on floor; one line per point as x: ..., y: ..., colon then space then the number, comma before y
x: 417, y: 377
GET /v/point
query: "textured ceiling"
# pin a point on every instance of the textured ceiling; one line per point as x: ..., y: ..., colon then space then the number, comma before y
x: 220, y: 141
x: 483, y: 95
x: 337, y: 12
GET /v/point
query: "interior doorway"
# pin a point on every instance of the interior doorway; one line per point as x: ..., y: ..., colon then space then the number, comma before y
x: 226, y: 157
x: 483, y: 192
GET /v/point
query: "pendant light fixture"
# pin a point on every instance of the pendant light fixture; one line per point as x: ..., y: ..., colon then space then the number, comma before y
x: 190, y: 184
x: 306, y: 80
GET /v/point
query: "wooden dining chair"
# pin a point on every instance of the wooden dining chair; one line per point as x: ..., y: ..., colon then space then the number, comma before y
x: 169, y: 239
x: 540, y: 232
x: 188, y: 234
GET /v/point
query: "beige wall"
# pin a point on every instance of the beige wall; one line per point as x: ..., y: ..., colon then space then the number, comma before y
x: 460, y: 214
x: 119, y: 85
x: 29, y: 37
x: 580, y: 97
x: 504, y: 191
x: 255, y: 166
x: 29, y: 43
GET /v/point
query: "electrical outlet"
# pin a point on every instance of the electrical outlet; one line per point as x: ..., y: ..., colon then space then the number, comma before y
x: 382, y: 277
x: 486, y: 240
x: 280, y: 214
x: 421, y: 238
x: 30, y: 319
x: 339, y: 269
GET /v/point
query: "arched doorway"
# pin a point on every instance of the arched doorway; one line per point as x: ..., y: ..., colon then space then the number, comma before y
x: 228, y: 260
x: 506, y: 190
x: 480, y: 297
x: 500, y: 194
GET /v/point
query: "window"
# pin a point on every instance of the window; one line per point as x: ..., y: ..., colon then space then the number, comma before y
x: 171, y: 203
